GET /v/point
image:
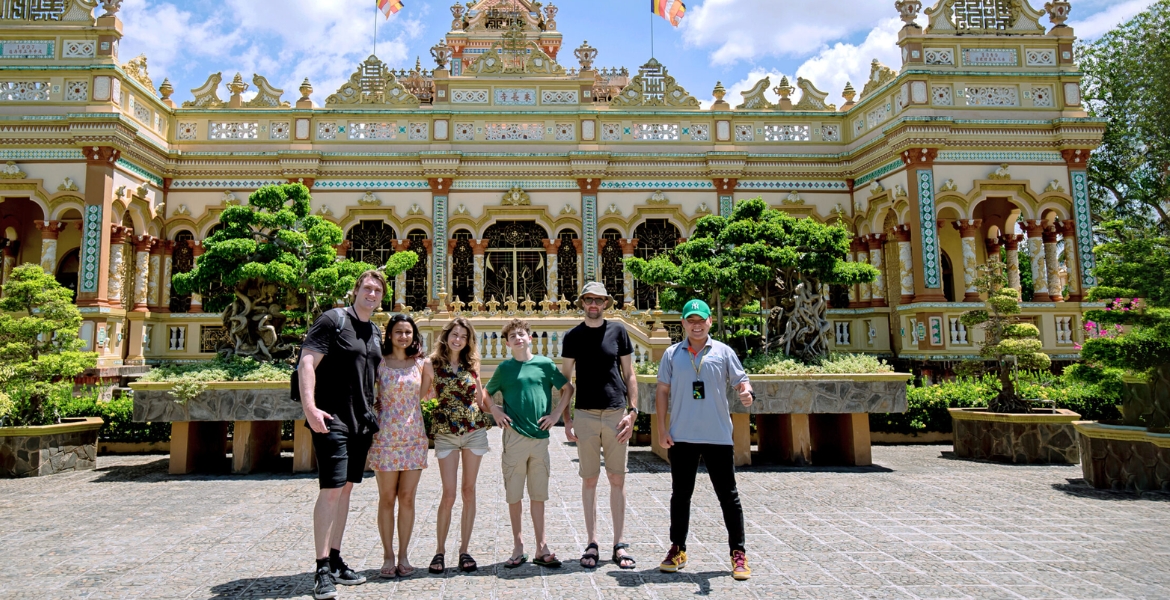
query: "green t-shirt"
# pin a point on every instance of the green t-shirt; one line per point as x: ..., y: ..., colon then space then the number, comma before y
x: 527, y: 388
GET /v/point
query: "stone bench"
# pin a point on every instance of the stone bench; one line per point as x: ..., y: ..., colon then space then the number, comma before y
x: 802, y: 419
x: 199, y: 426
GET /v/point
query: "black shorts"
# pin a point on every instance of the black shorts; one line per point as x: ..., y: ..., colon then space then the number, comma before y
x: 341, y: 455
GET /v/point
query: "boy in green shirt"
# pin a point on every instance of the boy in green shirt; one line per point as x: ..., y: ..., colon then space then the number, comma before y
x: 528, y: 413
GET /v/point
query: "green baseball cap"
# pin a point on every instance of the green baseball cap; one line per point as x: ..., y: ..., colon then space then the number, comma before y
x: 696, y: 307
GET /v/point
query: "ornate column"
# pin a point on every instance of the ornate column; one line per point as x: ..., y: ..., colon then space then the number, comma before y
x: 628, y: 246
x: 851, y: 257
x: 196, y: 299
x: 164, y: 286
x: 437, y: 253
x: 968, y: 229
x: 143, y: 245
x: 341, y: 249
x: 1035, y: 230
x: 49, y: 232
x: 96, y: 248
x: 876, y: 241
x: 1011, y: 244
x: 477, y: 252
x: 992, y: 245
x: 905, y: 263
x: 591, y: 266
x: 1068, y: 231
x: 9, y: 262
x: 152, y: 280
x: 865, y: 290
x: 725, y: 189
x: 580, y: 248
x: 1052, y: 263
x: 922, y: 217
x: 117, y: 266
x: 1078, y: 162
x: 400, y: 279
x: 449, y: 276
x: 550, y: 249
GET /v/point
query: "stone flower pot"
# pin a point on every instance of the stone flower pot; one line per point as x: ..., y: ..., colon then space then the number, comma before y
x: 48, y: 449
x: 1032, y: 438
x: 1121, y: 457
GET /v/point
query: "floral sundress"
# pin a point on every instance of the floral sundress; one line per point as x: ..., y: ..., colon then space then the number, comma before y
x: 401, y: 441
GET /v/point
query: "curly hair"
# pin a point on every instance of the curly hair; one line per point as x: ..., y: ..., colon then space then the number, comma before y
x: 415, y: 346
x: 513, y: 325
x: 468, y: 357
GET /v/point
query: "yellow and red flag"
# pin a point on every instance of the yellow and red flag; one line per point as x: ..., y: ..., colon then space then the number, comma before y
x: 660, y: 8
x: 671, y: 10
x: 677, y: 11
x: 389, y: 7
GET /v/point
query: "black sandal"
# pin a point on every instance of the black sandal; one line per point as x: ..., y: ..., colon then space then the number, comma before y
x: 617, y: 559
x: 595, y: 557
x: 437, y: 570
x: 467, y: 564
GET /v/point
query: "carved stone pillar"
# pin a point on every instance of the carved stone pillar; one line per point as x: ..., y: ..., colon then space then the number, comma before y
x: 589, y: 257
x: 400, y: 279
x: 628, y: 247
x: 725, y: 189
x: 1068, y: 231
x: 550, y: 250
x: 968, y: 229
x: 477, y: 252
x: 117, y: 268
x: 437, y: 256
x: 143, y: 245
x: 578, y: 245
x: 49, y: 232
x: 9, y: 262
x: 905, y: 263
x: 96, y: 248
x: 1052, y: 264
x: 1011, y: 244
x: 922, y: 219
x: 851, y: 257
x: 876, y: 241
x: 431, y: 246
x: 993, y: 246
x: 153, y: 279
x: 1035, y: 231
x: 164, y: 285
x: 864, y: 290
x: 449, y: 276
x: 196, y: 299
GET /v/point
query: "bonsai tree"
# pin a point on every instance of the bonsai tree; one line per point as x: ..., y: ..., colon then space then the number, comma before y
x: 273, y: 262
x: 766, y: 255
x: 1008, y: 344
x: 39, y: 346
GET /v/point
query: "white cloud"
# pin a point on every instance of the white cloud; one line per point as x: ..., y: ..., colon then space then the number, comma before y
x: 750, y: 29
x: 1099, y: 23
x: 832, y: 67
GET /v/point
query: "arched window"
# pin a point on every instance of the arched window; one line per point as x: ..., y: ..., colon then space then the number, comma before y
x: 514, y: 262
x: 182, y: 261
x: 462, y: 268
x: 416, y: 277
x: 655, y: 236
x: 67, y: 271
x: 372, y: 242
x: 567, y: 282
x: 948, y: 277
x: 611, y: 264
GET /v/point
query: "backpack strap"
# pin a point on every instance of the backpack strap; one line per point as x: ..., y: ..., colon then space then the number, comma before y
x: 341, y: 317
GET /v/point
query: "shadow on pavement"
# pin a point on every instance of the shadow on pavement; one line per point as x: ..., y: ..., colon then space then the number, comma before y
x: 627, y: 579
x: 157, y: 470
x: 1080, y: 489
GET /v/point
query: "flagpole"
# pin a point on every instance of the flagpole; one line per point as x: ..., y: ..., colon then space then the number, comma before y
x: 651, y: 35
x: 375, y: 29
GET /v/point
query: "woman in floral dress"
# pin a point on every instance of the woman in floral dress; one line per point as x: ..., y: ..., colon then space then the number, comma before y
x: 399, y: 451
x: 460, y: 429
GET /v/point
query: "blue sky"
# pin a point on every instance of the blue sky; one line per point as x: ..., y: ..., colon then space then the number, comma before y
x: 733, y: 41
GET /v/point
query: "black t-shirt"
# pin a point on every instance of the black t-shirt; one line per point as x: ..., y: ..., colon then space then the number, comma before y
x: 598, y: 351
x: 347, y: 374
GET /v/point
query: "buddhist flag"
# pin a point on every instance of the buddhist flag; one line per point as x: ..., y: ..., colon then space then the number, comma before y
x: 671, y: 10
x: 677, y: 11
x: 660, y: 8
x: 389, y: 7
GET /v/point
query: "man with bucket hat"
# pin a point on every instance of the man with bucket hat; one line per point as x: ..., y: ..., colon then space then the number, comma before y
x: 605, y: 410
x: 693, y: 380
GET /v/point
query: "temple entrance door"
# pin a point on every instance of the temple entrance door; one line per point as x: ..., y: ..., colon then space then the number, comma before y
x: 516, y: 274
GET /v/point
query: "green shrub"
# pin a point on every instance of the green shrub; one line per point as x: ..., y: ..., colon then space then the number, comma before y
x: 118, y: 415
x: 191, y: 379
x: 836, y: 363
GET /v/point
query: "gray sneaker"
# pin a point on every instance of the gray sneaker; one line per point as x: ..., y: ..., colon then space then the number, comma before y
x: 323, y: 588
x: 344, y: 575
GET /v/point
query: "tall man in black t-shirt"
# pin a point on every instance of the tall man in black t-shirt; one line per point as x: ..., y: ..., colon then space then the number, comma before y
x: 605, y: 410
x: 338, y: 369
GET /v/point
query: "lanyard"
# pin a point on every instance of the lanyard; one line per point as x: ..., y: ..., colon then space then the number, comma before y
x: 699, y: 365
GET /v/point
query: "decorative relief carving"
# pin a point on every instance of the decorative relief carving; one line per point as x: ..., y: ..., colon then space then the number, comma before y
x: 514, y: 132
x: 232, y: 131
x: 229, y: 199
x: 1042, y: 96
x: 992, y: 96
x: 464, y: 132
x: 657, y: 198
x: 469, y: 97
x: 793, y: 199
x: 136, y: 70
x: 11, y: 171
x: 514, y: 55
x: 949, y: 186
x: 985, y: 17
x: 278, y: 130
x: 79, y: 49
x: 206, y: 95
x: 754, y: 99
x: 656, y: 131
x: 266, y: 95
x: 417, y: 132
x: 653, y: 86
x: 1054, y: 186
x: 369, y: 199
x: 879, y: 75
x: 1035, y: 57
x: 812, y: 99
x: 77, y: 91
x: 24, y: 91
x: 373, y: 83
x: 326, y: 130
x: 831, y: 133
x: 558, y: 97
x: 941, y: 95
x: 183, y: 210
x: 68, y: 185
x: 939, y: 56
x: 787, y: 133
x: 613, y: 210
x: 188, y: 131
x: 744, y: 133
x: 565, y: 132
x: 700, y: 132
x: 877, y: 116
x: 372, y: 131
x: 611, y: 132
x: 1000, y: 173
x: 515, y: 197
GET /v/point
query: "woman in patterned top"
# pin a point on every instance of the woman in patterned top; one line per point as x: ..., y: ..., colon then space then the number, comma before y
x: 399, y: 451
x: 460, y: 428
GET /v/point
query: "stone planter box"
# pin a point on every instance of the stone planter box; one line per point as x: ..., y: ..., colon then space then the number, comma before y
x: 199, y: 426
x: 1123, y: 458
x: 49, y: 449
x: 804, y: 419
x: 1033, y: 438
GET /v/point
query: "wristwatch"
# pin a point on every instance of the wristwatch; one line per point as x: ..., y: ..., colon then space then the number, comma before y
x: 632, y: 409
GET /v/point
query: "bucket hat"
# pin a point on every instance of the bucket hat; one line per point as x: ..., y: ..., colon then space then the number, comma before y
x: 597, y: 289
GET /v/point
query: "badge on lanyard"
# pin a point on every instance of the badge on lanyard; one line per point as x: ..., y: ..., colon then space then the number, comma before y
x: 698, y: 392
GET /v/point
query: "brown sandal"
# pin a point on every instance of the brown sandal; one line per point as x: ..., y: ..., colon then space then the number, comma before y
x: 592, y: 557
x: 437, y: 565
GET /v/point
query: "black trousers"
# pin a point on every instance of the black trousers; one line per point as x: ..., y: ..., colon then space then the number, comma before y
x: 684, y: 466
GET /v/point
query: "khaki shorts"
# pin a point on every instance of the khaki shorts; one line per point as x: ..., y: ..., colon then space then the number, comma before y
x: 476, y: 441
x: 524, y: 458
x: 596, y: 433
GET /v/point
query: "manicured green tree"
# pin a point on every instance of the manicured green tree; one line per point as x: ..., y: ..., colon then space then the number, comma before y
x: 1008, y: 344
x: 763, y: 254
x: 274, y: 261
x: 39, y: 345
x: 1125, y: 83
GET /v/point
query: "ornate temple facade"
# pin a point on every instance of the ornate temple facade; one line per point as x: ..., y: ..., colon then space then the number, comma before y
x: 519, y: 172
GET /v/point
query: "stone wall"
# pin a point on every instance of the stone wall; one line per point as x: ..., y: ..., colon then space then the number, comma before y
x: 35, y: 455
x: 1016, y: 442
x: 790, y: 395
x: 1124, y: 464
x: 232, y: 404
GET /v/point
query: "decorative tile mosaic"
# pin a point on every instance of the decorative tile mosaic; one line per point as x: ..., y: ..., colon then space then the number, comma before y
x: 326, y: 130
x: 831, y: 133
x: 77, y: 91
x: 700, y: 132
x: 439, y: 229
x: 26, y: 48
x: 998, y: 157
x: 611, y: 132
x: 787, y: 133
x: 513, y: 132
x: 137, y: 170
x: 657, y: 185
x: 24, y: 91
x: 370, y: 184
x: 507, y: 184
x: 1042, y: 96
x: 232, y: 131
x: 565, y: 132
x: 54, y: 154
x: 140, y: 111
x: 91, y: 247
x: 558, y: 97
x: 514, y: 97
x: 877, y: 116
x: 879, y: 172
x: 589, y: 234
x: 78, y: 48
x: 469, y: 97
x: 993, y: 95
x: 1035, y: 57
x: 372, y: 131
x: 941, y: 95
x: 464, y: 132
x: 744, y: 133
x: 939, y: 56
x: 793, y: 185
x: 187, y: 131
x: 655, y: 132
x: 1084, y: 225
x: 726, y: 205
x: 279, y: 130
x: 221, y: 184
x: 929, y: 229
x: 858, y: 126
x: 418, y: 132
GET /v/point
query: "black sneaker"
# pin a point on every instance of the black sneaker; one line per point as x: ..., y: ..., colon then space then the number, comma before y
x: 324, y: 588
x: 344, y: 575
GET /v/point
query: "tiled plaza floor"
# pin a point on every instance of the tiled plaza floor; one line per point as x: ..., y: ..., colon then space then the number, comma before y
x: 918, y: 524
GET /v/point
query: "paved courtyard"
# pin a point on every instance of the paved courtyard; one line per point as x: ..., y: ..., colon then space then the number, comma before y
x: 918, y: 524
